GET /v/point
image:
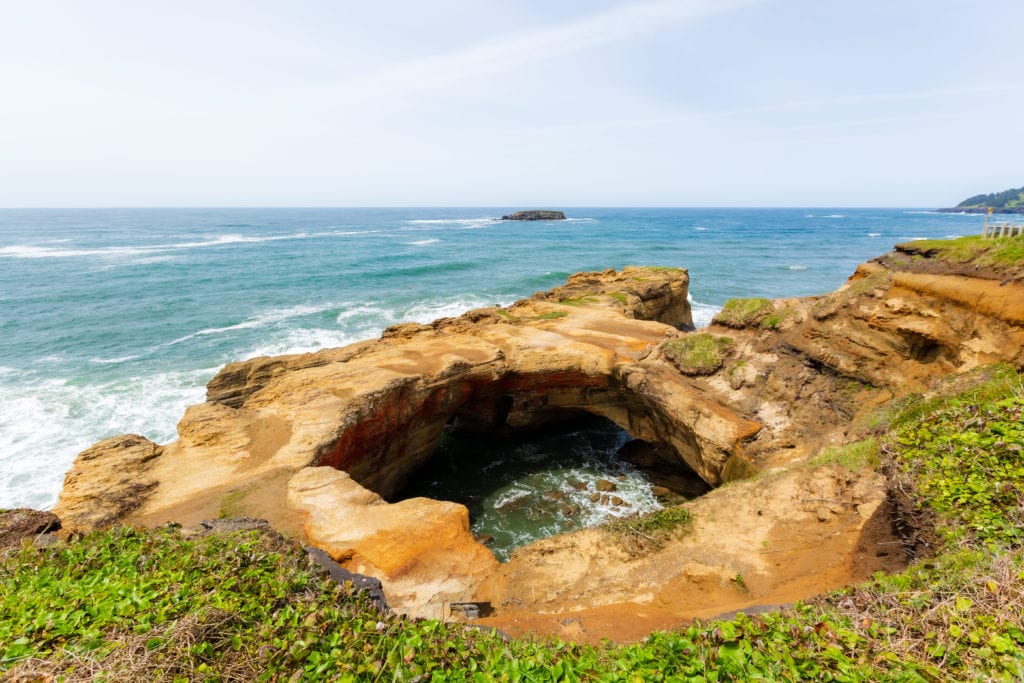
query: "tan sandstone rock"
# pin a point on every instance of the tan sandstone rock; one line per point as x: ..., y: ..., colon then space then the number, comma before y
x: 421, y: 549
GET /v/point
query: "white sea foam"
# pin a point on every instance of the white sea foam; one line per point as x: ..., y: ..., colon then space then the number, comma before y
x: 45, y: 423
x: 699, y: 228
x: 796, y: 267
x: 264, y: 319
x: 454, y: 223
x: 37, y: 251
x: 703, y: 313
x: 423, y: 243
x: 874, y: 234
x: 429, y: 311
x: 834, y: 215
x: 114, y: 361
x: 301, y: 341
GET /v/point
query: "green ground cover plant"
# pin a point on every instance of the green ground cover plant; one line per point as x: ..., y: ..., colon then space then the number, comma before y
x: 973, y: 249
x: 148, y: 605
x: 650, y: 531
x: 743, y: 312
x: 698, y: 353
x: 579, y: 301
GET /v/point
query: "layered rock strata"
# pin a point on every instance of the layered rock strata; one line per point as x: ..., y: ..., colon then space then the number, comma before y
x: 376, y: 410
x: 317, y: 443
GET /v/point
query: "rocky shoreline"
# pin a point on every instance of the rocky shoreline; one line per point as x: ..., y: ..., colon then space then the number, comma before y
x: 317, y: 443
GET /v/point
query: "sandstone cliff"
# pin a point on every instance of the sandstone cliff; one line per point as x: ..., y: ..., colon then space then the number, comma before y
x: 276, y: 434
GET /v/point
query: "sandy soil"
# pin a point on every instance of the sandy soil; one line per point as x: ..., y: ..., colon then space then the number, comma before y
x: 773, y: 541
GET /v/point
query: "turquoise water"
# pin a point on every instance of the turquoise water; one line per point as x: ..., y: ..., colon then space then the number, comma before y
x: 536, y: 484
x: 114, y: 320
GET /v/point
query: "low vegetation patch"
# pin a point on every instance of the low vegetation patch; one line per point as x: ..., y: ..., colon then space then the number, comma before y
x: 549, y: 315
x: 776, y: 319
x: 154, y: 606
x: 579, y: 301
x: 698, y: 353
x: 743, y: 312
x: 967, y: 461
x: 621, y: 297
x: 971, y: 249
x: 864, y: 454
x: 650, y: 531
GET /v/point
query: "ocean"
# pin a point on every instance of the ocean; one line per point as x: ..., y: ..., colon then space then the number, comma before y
x: 114, y: 319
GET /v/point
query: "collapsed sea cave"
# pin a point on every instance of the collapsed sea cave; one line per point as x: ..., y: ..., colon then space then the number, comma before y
x: 576, y: 473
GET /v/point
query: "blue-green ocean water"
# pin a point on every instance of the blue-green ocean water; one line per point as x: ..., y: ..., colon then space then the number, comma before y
x: 114, y: 320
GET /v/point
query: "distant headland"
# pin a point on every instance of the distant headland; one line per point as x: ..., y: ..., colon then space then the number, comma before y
x: 1007, y: 201
x: 539, y: 215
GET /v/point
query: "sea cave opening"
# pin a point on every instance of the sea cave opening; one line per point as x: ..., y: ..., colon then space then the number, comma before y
x: 563, y: 476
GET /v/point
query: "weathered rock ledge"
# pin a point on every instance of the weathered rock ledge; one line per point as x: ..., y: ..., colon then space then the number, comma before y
x: 316, y: 443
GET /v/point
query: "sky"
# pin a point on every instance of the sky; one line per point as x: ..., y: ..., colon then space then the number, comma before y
x: 516, y: 103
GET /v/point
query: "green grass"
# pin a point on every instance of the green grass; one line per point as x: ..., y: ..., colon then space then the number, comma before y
x: 743, y: 312
x: 853, y: 456
x: 153, y: 606
x: 974, y: 249
x: 579, y: 301
x: 621, y: 297
x: 698, y: 353
x: 640, y: 534
x: 967, y: 461
x: 550, y: 315
x: 774, y: 320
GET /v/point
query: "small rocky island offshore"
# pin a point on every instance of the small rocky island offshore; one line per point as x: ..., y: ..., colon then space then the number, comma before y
x: 535, y: 215
x: 796, y: 403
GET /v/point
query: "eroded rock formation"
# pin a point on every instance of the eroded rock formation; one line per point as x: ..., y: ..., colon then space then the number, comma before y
x: 317, y: 443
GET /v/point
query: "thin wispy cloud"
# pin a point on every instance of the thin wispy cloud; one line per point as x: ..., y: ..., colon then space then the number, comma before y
x: 511, y: 50
x: 846, y: 101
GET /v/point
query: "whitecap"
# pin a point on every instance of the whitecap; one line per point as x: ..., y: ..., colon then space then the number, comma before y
x: 114, y: 361
x: 36, y: 251
x: 703, y: 313
x: 423, y: 243
x: 796, y: 267
x: 428, y: 311
x: 303, y: 340
x: 47, y: 422
x: 699, y: 228
x: 874, y: 234
x: 835, y: 215
x: 270, y: 317
x: 459, y: 223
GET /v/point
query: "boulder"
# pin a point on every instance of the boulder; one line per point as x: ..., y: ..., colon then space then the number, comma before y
x: 23, y: 523
x: 421, y: 549
x: 107, y: 482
